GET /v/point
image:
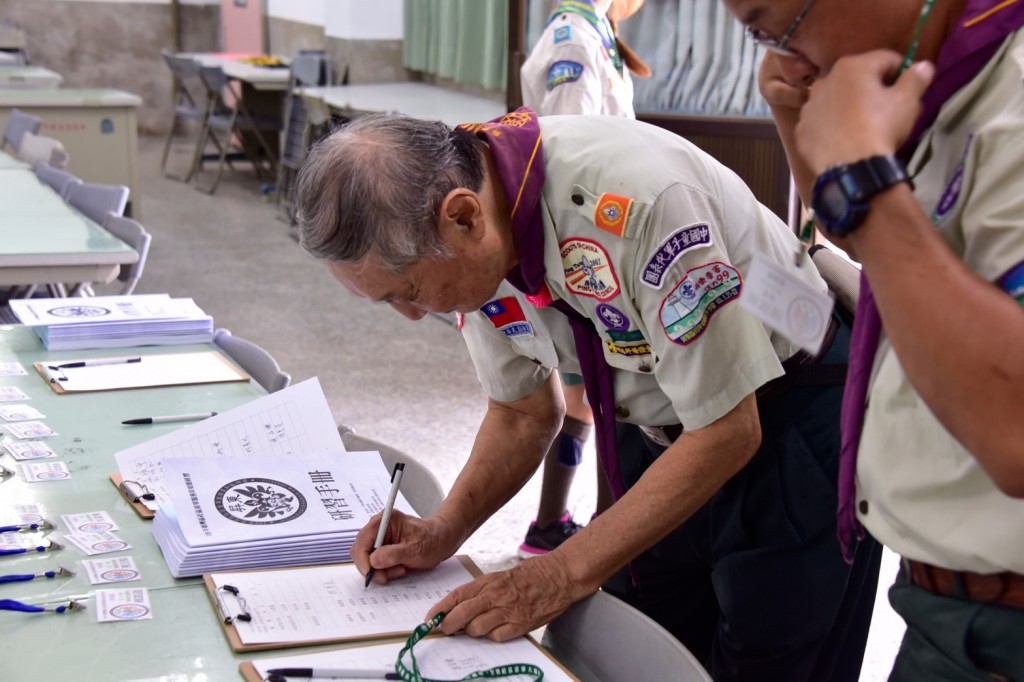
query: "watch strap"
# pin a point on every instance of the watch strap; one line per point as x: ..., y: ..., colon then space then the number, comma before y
x: 872, y: 175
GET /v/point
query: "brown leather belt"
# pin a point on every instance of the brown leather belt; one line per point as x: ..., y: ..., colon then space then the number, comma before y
x: 1004, y: 589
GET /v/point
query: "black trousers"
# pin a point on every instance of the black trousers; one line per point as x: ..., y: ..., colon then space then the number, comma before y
x: 754, y: 583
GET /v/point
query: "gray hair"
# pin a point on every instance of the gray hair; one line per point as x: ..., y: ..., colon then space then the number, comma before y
x: 375, y: 186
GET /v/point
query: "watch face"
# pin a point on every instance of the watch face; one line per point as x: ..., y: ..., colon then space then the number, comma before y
x: 833, y: 200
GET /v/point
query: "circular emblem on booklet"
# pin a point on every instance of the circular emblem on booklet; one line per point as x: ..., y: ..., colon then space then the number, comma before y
x: 259, y: 501
x: 78, y: 311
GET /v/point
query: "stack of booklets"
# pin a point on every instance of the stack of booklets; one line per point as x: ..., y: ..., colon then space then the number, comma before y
x: 114, y: 321
x: 266, y: 511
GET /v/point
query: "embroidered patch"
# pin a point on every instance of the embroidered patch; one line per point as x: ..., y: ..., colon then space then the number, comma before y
x: 689, y: 307
x: 612, y: 213
x: 630, y: 349
x: 612, y: 317
x: 563, y: 72
x: 507, y: 315
x: 626, y: 337
x: 671, y: 249
x: 588, y: 271
x: 1013, y: 282
x: 952, y: 192
x: 562, y: 34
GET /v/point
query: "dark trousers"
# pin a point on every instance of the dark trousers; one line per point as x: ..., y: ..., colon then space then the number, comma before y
x: 754, y: 583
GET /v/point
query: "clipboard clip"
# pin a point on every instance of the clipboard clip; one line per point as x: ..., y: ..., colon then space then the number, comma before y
x: 135, y: 496
x: 243, y: 608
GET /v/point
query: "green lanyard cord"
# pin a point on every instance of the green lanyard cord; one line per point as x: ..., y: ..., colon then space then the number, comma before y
x: 908, y: 60
x: 421, y: 631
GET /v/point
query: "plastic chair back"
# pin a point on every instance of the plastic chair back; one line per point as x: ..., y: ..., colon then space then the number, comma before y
x: 96, y: 200
x: 842, y: 277
x: 258, y: 363
x: 56, y: 178
x: 419, y: 485
x: 40, y: 149
x: 19, y: 123
x: 134, y: 235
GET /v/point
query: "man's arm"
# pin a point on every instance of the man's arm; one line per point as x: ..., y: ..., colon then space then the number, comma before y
x: 510, y: 603
x: 509, y: 447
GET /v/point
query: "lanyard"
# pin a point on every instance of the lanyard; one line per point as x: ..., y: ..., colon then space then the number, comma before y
x: 422, y: 630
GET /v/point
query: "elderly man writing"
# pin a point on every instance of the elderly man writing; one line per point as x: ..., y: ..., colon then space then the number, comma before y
x: 641, y: 242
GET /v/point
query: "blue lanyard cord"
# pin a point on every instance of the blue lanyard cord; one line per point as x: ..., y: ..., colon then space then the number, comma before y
x: 422, y: 630
x: 41, y: 548
x: 28, y: 527
x: 600, y: 24
x: 14, y: 605
x: 18, y: 578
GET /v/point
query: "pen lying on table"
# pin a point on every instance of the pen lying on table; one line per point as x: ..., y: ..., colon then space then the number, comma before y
x: 357, y: 673
x: 95, y: 363
x: 171, y: 418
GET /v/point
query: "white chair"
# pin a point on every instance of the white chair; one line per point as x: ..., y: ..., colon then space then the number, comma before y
x: 614, y: 641
x: 57, y: 179
x: 134, y: 235
x: 258, y: 363
x: 19, y: 123
x: 419, y: 485
x: 40, y: 149
x: 96, y: 200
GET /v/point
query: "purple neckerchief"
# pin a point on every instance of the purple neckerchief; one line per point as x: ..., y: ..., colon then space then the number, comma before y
x: 974, y: 40
x: 514, y: 142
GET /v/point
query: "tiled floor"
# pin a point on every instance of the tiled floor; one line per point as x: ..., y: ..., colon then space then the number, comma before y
x: 409, y: 384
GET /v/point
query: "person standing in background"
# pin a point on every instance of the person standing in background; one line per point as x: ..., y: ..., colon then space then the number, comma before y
x: 579, y: 66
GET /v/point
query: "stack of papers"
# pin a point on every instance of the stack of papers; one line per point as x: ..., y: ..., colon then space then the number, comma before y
x: 114, y: 321
x: 267, y: 511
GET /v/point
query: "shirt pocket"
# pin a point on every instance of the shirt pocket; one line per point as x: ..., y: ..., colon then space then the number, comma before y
x: 540, y: 349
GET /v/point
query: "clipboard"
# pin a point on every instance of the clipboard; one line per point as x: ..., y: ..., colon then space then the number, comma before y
x: 235, y: 640
x: 161, y: 369
x: 130, y: 494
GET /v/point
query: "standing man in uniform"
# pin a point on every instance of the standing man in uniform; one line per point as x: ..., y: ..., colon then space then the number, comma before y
x: 578, y: 66
x: 915, y: 167
x: 754, y: 573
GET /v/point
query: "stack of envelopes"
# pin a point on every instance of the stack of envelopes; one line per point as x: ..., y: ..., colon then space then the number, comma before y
x: 266, y: 511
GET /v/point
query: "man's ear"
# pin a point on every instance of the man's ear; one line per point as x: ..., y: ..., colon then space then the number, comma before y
x: 461, y: 212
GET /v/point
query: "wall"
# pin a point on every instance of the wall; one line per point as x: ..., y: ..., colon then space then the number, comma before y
x: 294, y: 25
x: 115, y: 44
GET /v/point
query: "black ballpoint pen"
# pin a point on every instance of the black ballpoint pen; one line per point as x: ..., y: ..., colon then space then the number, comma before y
x: 396, y: 480
x: 357, y: 673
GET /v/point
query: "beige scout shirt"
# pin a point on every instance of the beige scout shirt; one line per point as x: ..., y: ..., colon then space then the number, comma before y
x: 927, y: 498
x: 569, y: 72
x: 660, y: 280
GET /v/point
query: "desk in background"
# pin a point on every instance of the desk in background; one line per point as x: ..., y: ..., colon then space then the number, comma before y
x: 97, y: 127
x: 28, y: 78
x: 44, y: 240
x: 418, y: 100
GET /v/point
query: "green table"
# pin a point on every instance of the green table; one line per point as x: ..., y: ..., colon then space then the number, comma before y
x: 8, y: 162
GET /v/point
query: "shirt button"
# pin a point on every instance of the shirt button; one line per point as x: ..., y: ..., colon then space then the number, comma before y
x: 645, y: 369
x: 863, y: 506
x: 577, y: 199
x: 621, y: 411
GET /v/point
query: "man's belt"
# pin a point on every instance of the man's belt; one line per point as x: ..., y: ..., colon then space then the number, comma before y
x: 1004, y: 589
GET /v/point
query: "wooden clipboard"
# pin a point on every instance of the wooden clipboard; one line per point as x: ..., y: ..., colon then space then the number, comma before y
x: 236, y: 641
x: 127, y: 493
x: 228, y: 371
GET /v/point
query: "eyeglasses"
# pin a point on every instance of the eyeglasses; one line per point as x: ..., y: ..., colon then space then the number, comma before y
x: 780, y: 46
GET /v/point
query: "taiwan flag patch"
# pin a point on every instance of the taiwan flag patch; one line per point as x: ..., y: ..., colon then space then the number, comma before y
x: 507, y: 315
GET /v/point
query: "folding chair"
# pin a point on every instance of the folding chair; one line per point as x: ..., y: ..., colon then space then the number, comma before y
x: 642, y: 649
x: 96, y: 200
x: 19, y: 123
x: 419, y: 485
x: 40, y: 149
x: 57, y: 179
x: 308, y: 68
x: 232, y: 126
x: 191, y: 102
x: 134, y: 235
x: 258, y: 363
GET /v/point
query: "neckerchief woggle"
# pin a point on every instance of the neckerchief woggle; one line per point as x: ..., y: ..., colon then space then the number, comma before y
x: 974, y: 40
x: 514, y: 141
x: 599, y: 22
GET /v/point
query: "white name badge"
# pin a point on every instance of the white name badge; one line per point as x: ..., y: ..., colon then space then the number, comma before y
x: 786, y: 303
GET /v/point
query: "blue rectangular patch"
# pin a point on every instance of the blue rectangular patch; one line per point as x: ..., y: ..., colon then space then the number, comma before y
x: 518, y: 329
x: 671, y: 249
x: 562, y: 34
x: 1013, y: 282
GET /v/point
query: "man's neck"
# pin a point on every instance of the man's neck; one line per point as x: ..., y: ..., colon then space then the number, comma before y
x: 495, y: 206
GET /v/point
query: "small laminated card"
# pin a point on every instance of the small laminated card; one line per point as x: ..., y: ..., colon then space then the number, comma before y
x: 19, y: 413
x: 30, y: 430
x: 10, y: 394
x: 97, y: 543
x: 12, y: 369
x: 88, y: 522
x: 45, y: 471
x: 119, y: 569
x: 128, y: 604
x: 33, y: 449
x: 13, y: 541
x: 22, y: 513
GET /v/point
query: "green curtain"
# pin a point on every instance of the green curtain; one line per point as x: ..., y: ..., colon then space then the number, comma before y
x: 464, y: 40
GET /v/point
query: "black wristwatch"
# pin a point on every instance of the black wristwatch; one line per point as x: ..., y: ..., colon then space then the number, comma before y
x: 841, y: 194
